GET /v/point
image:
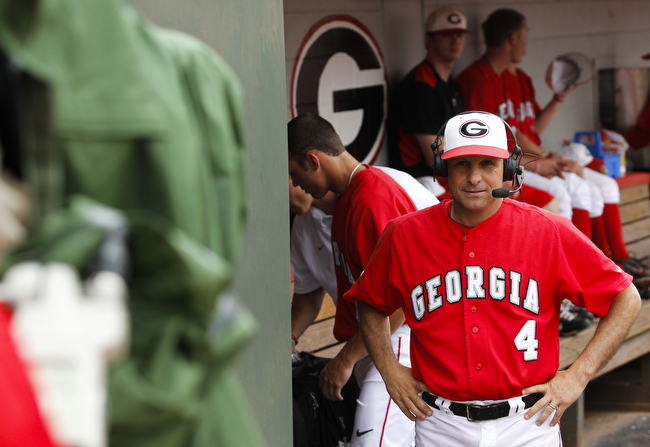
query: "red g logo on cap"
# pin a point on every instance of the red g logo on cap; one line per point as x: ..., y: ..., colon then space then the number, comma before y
x: 474, y: 129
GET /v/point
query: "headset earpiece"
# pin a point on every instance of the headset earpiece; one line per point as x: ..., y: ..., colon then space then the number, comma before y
x: 509, y: 168
x: 511, y: 164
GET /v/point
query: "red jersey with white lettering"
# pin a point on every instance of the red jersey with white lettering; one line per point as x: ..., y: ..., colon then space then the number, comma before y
x: 371, y: 201
x: 483, y: 304
x: 486, y: 91
x: 526, y: 106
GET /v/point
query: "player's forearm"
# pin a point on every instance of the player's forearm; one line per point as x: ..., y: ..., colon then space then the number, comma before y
x: 545, y: 116
x: 610, y: 333
x: 353, y: 350
x: 527, y: 145
x: 376, y: 331
x: 304, y: 310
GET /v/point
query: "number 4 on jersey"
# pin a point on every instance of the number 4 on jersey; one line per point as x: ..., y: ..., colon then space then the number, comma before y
x: 526, y: 340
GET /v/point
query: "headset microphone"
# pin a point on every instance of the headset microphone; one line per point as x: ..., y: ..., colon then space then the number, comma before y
x: 501, y: 193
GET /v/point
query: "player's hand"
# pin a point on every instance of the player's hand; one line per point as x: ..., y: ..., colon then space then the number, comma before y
x: 404, y: 389
x: 334, y: 376
x: 561, y: 96
x: 573, y: 166
x: 560, y: 392
x: 550, y: 167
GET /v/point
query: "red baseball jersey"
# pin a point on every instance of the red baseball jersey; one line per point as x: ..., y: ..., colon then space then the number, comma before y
x: 371, y: 201
x: 526, y: 107
x: 483, y: 303
x: 484, y: 90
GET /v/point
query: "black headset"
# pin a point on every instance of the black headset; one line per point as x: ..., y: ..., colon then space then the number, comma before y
x: 511, y: 165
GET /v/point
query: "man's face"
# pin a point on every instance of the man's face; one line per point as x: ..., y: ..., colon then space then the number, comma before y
x: 520, y: 42
x: 310, y: 179
x: 448, y: 47
x: 471, y: 181
x: 299, y: 200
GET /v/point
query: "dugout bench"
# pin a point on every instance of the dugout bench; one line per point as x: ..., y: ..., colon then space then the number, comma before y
x: 625, y: 381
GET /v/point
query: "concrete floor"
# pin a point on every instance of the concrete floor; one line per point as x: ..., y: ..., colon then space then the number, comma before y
x: 616, y: 429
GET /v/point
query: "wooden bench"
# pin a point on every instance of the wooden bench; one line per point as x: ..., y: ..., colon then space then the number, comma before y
x: 319, y: 338
x: 635, y: 213
x: 635, y: 217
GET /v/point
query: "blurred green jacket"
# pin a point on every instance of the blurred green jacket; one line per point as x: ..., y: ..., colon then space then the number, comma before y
x: 122, y: 114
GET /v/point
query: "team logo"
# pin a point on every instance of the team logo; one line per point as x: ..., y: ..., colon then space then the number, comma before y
x: 454, y: 18
x: 474, y: 129
x: 340, y: 75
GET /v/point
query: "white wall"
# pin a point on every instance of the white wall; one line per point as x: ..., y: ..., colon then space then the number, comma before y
x: 614, y: 33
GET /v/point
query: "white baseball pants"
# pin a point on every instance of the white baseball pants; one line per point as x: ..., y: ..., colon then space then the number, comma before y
x: 571, y: 192
x: 608, y: 186
x: 444, y: 430
x: 379, y: 422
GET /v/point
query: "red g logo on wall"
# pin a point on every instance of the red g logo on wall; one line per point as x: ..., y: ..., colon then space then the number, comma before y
x: 340, y: 75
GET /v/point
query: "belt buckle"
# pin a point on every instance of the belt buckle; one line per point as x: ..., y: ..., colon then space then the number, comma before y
x: 467, y: 407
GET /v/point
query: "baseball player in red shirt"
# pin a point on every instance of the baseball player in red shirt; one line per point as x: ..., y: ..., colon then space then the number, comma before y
x: 487, y: 86
x: 495, y: 84
x: 605, y: 217
x: 483, y: 306
x: 368, y: 200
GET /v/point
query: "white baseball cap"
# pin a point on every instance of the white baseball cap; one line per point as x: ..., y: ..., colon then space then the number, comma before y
x: 567, y: 70
x: 475, y: 133
x: 576, y: 152
x: 446, y: 21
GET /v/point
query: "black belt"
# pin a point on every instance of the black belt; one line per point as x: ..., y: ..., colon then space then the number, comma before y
x: 474, y: 412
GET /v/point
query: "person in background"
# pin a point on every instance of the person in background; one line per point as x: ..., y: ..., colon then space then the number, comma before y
x: 427, y: 97
x: 368, y: 199
x: 312, y: 261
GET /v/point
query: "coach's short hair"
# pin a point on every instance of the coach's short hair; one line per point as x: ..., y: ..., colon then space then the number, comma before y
x: 498, y: 27
x: 307, y: 132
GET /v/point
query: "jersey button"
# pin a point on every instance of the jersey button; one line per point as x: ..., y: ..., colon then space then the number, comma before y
x: 473, y: 309
x: 471, y: 254
x: 475, y: 330
x: 478, y: 366
x: 465, y: 237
